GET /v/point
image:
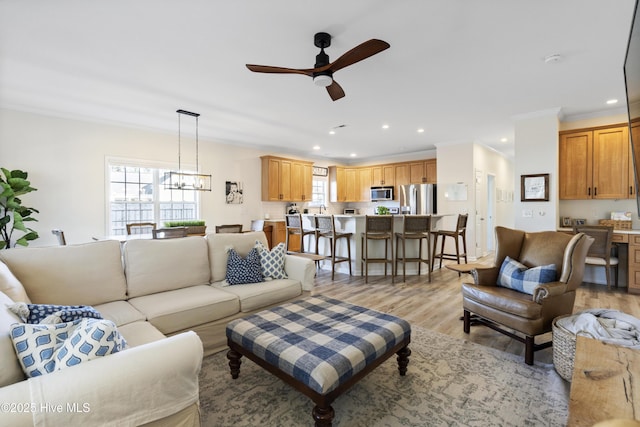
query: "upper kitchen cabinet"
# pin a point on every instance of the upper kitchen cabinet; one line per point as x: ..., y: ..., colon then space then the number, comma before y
x: 423, y: 172
x: 594, y: 164
x: 383, y: 175
x: 337, y: 184
x: 286, y: 180
x: 364, y: 183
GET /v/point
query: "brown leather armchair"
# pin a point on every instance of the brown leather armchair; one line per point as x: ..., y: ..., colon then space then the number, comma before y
x: 505, y: 309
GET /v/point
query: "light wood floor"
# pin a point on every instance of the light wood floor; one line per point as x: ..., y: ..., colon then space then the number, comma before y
x: 438, y: 305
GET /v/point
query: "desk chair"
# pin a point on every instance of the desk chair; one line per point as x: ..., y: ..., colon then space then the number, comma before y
x: 414, y: 227
x: 294, y: 227
x: 60, y: 235
x: 169, y: 233
x: 140, y: 227
x: 229, y: 228
x: 459, y: 232
x: 377, y: 227
x: 326, y: 228
x: 600, y: 251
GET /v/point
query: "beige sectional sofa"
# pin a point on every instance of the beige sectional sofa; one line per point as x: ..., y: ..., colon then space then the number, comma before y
x: 168, y: 300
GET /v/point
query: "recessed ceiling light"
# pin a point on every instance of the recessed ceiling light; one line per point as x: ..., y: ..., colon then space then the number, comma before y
x: 352, y: 154
x: 332, y: 132
x: 316, y: 147
x: 612, y: 101
x: 503, y: 140
x: 420, y: 130
x: 385, y: 126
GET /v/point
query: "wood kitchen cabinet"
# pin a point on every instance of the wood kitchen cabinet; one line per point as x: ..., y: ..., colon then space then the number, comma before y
x: 364, y: 183
x: 635, y: 136
x: 337, y: 184
x: 352, y: 185
x: 634, y: 264
x: 594, y: 164
x: 383, y: 175
x: 286, y: 180
x: 423, y: 172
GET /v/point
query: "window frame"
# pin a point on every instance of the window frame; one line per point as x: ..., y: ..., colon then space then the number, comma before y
x: 142, y: 163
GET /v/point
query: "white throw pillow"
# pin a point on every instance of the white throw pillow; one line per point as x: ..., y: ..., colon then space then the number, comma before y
x: 272, y: 261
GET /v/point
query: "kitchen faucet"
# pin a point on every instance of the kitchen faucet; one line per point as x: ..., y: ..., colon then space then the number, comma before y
x: 321, y: 208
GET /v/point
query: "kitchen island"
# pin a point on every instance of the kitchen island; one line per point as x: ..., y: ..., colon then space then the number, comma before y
x: 355, y: 224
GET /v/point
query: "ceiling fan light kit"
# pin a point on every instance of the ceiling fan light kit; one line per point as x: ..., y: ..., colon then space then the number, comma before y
x: 322, y: 74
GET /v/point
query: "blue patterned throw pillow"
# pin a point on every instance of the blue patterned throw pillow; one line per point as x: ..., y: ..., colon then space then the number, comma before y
x: 49, y: 313
x: 243, y: 270
x: 46, y: 348
x: 519, y: 277
x: 272, y: 261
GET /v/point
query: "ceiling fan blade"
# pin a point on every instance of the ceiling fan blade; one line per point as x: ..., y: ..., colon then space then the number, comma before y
x: 358, y: 53
x: 281, y: 70
x: 335, y: 91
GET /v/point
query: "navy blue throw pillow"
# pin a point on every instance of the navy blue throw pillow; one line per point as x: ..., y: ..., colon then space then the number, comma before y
x: 244, y: 270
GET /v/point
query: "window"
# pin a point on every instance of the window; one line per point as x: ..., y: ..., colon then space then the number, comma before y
x: 137, y: 194
x: 319, y: 191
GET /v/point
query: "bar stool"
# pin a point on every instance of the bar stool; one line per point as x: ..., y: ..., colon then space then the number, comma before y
x: 460, y: 231
x: 293, y: 226
x: 414, y: 227
x: 326, y: 228
x: 377, y: 227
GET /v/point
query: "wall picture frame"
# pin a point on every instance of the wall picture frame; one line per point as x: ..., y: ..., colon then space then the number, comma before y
x: 534, y: 188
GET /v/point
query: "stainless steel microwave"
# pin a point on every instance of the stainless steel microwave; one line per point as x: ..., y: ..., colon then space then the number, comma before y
x: 381, y: 193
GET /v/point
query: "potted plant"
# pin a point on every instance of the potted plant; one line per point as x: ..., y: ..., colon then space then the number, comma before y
x: 194, y: 226
x: 382, y: 210
x: 13, y: 214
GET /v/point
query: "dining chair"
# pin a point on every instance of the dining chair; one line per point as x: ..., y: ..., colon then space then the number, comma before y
x: 169, y: 233
x: 257, y: 224
x: 60, y: 235
x: 140, y: 227
x: 600, y: 251
x: 229, y: 228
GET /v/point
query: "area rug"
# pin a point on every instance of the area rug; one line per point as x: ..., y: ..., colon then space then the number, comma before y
x: 450, y: 382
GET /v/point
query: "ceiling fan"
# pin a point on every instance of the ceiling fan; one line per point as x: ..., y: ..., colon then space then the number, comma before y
x: 323, y: 72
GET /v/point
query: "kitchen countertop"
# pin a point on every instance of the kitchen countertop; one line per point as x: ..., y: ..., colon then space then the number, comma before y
x: 615, y: 231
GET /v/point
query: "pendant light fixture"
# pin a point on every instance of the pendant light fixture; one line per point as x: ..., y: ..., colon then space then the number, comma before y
x: 178, y: 180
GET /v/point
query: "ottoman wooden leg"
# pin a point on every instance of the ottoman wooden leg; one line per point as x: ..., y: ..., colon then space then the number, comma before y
x: 234, y: 363
x: 403, y: 359
x: 323, y: 415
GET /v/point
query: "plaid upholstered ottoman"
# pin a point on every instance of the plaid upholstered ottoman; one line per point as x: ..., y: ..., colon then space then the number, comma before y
x: 320, y: 346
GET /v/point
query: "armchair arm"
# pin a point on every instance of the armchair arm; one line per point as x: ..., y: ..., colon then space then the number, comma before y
x: 547, y: 290
x: 132, y: 387
x: 485, y: 276
x: 302, y: 269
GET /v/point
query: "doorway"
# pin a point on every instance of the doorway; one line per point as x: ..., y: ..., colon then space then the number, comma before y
x: 491, y: 209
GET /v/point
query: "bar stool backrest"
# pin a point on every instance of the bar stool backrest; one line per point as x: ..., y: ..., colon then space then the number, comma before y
x: 293, y: 221
x: 462, y: 222
x: 324, y: 223
x: 417, y: 223
x: 379, y: 224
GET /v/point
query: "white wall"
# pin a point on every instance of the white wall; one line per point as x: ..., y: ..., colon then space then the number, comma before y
x: 536, y: 152
x: 65, y: 160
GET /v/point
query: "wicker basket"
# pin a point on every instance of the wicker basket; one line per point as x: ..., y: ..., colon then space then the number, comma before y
x: 564, y: 349
x: 617, y: 224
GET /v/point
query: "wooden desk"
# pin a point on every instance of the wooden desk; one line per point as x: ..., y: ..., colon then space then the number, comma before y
x: 605, y: 383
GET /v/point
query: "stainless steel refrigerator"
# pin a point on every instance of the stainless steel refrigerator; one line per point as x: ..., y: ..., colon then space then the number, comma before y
x: 418, y: 199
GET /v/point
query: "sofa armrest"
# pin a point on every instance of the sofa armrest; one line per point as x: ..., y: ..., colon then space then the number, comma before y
x: 133, y: 387
x: 302, y: 269
x: 547, y: 290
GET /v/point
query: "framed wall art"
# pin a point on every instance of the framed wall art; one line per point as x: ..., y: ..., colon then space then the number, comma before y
x: 534, y: 188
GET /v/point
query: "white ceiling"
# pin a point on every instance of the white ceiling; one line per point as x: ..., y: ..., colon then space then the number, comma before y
x: 460, y: 69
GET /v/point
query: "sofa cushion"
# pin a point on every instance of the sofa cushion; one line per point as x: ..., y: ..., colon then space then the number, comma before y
x: 50, y: 313
x: 140, y: 333
x: 518, y: 277
x: 158, y: 265
x: 10, y: 370
x: 180, y: 309
x: 120, y: 313
x: 84, y: 274
x: 272, y: 261
x: 219, y: 243
x: 243, y: 270
x: 45, y: 348
x: 11, y: 286
x: 258, y: 295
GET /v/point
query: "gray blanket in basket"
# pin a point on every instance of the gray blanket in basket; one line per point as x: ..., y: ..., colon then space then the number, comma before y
x: 610, y: 326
